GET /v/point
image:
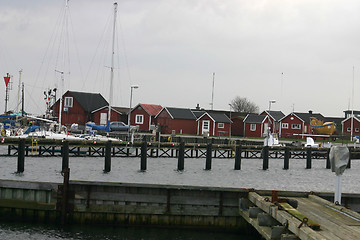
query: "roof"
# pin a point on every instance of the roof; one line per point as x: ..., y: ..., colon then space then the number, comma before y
x: 306, y: 116
x: 255, y: 118
x: 276, y: 115
x: 120, y: 110
x: 181, y: 113
x: 89, y: 101
x: 151, y: 109
x: 217, y: 117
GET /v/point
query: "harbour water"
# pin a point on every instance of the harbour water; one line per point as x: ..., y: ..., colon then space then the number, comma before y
x: 163, y: 171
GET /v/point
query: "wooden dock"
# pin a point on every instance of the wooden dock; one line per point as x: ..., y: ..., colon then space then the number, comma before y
x: 230, y: 209
x: 274, y: 222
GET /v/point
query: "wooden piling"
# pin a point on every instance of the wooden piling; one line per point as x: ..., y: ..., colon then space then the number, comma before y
x: 21, y: 156
x: 238, y: 157
x: 265, y: 157
x: 65, y: 155
x: 107, y: 157
x: 208, y: 156
x: 181, y: 156
x: 328, y: 164
x: 65, y: 189
x: 143, y: 156
x: 286, y: 158
x: 308, y: 158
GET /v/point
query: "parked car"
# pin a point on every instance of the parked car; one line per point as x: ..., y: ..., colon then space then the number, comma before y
x: 118, y: 126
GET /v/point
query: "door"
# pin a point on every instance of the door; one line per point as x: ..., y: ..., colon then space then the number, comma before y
x: 205, y: 126
x: 103, y: 118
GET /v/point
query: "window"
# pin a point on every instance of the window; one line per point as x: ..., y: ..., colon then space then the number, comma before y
x: 285, y: 125
x: 348, y: 129
x: 206, y: 125
x: 295, y: 126
x: 68, y: 102
x: 139, y: 119
x: 103, y: 118
x: 356, y: 130
x: 221, y: 125
x: 253, y: 127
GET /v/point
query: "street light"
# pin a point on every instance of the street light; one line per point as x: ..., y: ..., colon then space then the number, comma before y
x: 270, y: 102
x: 129, y: 114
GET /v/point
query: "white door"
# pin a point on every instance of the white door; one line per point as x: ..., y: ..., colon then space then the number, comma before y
x: 205, y: 126
x: 266, y: 126
x: 103, y: 118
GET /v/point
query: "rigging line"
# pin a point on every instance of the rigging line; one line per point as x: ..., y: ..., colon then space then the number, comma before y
x: 34, y: 103
x: 50, y: 43
x: 94, y: 56
x: 76, y: 47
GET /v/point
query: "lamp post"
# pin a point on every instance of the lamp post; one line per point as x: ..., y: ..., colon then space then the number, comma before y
x: 230, y: 123
x: 270, y: 102
x: 129, y: 114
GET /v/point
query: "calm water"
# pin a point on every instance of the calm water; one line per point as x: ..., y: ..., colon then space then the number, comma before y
x: 163, y: 171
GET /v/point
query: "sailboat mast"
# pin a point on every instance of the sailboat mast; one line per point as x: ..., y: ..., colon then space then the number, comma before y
x: 212, y: 93
x: 18, y: 98
x: 112, y: 64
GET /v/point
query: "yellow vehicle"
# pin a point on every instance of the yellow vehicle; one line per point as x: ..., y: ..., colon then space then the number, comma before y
x: 319, y: 127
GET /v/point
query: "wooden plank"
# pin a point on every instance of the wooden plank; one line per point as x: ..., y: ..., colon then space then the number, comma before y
x: 309, y: 222
x: 282, y: 216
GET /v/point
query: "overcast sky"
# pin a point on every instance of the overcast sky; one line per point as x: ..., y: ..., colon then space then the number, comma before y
x: 300, y: 53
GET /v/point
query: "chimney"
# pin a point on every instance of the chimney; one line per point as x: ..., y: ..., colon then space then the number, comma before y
x: 311, y: 112
x: 197, y: 107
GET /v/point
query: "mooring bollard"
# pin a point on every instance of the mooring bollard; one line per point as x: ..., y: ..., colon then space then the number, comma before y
x: 181, y: 156
x: 143, y: 156
x: 65, y: 155
x: 21, y: 156
x: 308, y: 158
x: 328, y: 164
x: 208, y: 156
x: 265, y: 157
x: 107, y: 157
x: 286, y: 158
x: 238, y: 157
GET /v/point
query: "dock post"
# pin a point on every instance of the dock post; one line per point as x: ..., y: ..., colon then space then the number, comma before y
x: 308, y: 158
x: 286, y: 158
x: 21, y: 156
x: 328, y: 165
x: 64, y: 200
x: 238, y: 157
x: 350, y: 156
x: 265, y: 157
x: 181, y: 156
x: 143, y: 156
x: 65, y: 156
x: 208, y: 156
x: 107, y: 157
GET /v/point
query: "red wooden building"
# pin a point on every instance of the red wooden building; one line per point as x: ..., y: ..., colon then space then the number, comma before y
x: 275, y: 117
x: 237, y: 126
x: 347, y: 126
x: 143, y: 115
x: 256, y: 125
x: 176, y: 121
x: 213, y: 124
x: 118, y: 114
x: 296, y: 124
x: 77, y: 107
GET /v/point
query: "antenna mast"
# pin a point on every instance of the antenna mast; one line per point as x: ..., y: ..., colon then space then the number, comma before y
x: 212, y: 94
x: 352, y: 108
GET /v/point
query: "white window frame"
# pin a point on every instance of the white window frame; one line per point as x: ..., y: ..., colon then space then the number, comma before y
x: 253, y: 127
x: 285, y: 125
x: 348, y: 129
x: 68, y: 102
x: 206, y: 125
x: 221, y: 125
x: 139, y: 119
x: 295, y: 126
x: 356, y: 129
x: 103, y: 118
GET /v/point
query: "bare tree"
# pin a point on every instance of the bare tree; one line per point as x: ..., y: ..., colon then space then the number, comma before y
x: 242, y: 104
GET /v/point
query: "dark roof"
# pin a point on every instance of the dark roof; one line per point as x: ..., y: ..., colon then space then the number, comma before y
x: 254, y: 118
x: 306, y: 116
x: 89, y: 101
x: 277, y: 115
x: 198, y: 113
x: 336, y: 120
x: 181, y: 113
x: 220, y: 117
